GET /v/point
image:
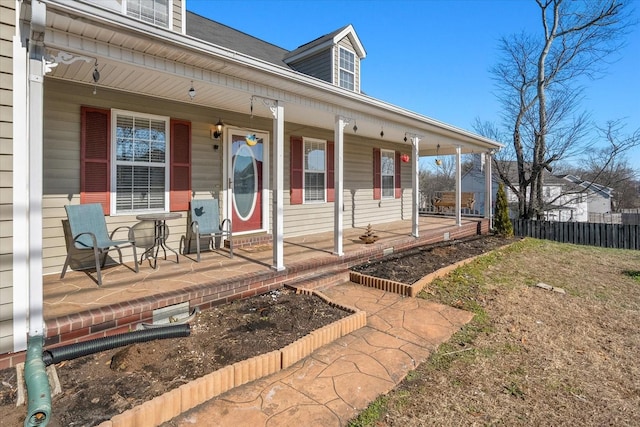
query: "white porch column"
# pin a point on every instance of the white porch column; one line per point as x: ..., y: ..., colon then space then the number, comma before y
x: 278, y: 186
x: 20, y: 187
x: 35, y: 97
x: 488, y: 189
x: 458, y: 185
x: 338, y: 184
x: 415, y: 186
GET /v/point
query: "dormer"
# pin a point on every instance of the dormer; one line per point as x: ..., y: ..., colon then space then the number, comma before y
x: 334, y: 58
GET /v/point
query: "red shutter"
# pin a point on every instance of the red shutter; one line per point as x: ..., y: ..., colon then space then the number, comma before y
x: 95, y: 137
x: 330, y: 174
x: 398, y: 192
x: 377, y: 177
x: 296, y: 170
x: 180, y: 189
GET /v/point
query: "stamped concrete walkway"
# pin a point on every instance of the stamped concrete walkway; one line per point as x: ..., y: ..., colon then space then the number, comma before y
x: 337, y: 381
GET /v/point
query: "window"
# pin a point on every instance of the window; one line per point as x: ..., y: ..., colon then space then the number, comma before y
x: 140, y: 166
x: 97, y: 159
x: 152, y: 11
x: 347, y: 69
x: 314, y: 170
x: 387, y: 172
x: 300, y: 186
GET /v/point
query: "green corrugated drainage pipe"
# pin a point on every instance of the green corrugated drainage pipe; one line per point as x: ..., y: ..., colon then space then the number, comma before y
x: 38, y: 391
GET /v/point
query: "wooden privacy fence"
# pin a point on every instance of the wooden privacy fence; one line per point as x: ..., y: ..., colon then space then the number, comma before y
x: 581, y: 233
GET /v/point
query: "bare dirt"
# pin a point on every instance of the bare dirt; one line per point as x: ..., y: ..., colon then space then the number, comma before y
x: 410, y: 266
x: 99, y: 386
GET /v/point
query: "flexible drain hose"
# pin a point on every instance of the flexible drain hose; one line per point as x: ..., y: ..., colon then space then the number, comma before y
x: 80, y: 349
x: 38, y: 391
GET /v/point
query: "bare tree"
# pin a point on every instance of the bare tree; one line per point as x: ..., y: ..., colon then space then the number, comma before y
x: 538, y: 85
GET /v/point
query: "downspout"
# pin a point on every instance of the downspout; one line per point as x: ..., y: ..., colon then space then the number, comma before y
x: 38, y: 391
x: 39, y: 405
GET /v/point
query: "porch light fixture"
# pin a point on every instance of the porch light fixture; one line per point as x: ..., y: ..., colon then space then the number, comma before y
x: 192, y: 91
x: 381, y: 132
x: 218, y: 132
x: 355, y: 127
x: 438, y: 161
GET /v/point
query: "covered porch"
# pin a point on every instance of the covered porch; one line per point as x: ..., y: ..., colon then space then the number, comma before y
x: 76, y: 309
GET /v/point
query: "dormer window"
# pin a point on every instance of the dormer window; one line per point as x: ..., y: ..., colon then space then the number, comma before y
x: 152, y: 11
x: 334, y: 58
x: 347, y: 69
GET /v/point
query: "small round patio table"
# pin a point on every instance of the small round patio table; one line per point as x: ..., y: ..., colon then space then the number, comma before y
x: 160, y: 234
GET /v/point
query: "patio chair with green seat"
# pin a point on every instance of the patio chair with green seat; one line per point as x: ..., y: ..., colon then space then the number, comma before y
x: 89, y: 233
x: 204, y: 222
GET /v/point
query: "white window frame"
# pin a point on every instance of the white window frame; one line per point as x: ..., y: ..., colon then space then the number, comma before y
x: 122, y: 6
x: 115, y: 163
x: 159, y: 23
x: 320, y: 143
x: 384, y: 173
x: 342, y: 83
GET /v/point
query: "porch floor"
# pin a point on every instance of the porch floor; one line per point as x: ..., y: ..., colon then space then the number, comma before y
x: 76, y: 308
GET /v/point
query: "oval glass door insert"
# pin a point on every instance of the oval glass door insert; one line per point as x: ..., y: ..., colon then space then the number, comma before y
x: 245, y: 182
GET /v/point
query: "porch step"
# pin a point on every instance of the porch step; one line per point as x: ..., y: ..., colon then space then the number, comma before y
x: 320, y: 281
x: 247, y: 241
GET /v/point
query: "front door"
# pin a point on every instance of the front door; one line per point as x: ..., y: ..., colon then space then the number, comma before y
x: 246, y: 177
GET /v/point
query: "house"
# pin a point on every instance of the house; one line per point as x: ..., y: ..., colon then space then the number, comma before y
x: 567, y: 197
x: 143, y: 106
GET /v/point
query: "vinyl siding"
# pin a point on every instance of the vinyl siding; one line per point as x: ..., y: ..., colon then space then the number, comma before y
x: 7, y: 32
x: 62, y: 157
x: 360, y: 208
x: 318, y: 65
x: 62, y: 166
x: 177, y: 15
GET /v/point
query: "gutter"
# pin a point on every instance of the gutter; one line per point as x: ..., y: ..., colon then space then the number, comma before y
x: 123, y: 24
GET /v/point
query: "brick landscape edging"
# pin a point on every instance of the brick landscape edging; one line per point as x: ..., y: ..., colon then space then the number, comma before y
x: 163, y: 408
x: 414, y: 289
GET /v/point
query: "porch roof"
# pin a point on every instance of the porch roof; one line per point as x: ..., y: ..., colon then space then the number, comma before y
x: 224, y: 79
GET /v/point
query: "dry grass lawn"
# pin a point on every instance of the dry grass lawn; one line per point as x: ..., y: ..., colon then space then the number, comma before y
x: 531, y: 356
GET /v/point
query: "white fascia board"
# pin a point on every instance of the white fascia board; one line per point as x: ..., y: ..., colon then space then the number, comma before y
x: 350, y: 32
x: 325, y: 90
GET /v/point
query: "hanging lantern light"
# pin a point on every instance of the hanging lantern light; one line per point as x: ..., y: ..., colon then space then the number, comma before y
x: 438, y: 161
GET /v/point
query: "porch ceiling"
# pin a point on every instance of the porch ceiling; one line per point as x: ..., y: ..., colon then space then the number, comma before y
x: 161, y: 64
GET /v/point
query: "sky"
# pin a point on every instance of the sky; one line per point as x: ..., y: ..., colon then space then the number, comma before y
x: 433, y: 57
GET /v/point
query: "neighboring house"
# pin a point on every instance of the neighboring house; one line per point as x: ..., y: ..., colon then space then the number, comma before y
x: 566, y: 197
x: 117, y: 102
